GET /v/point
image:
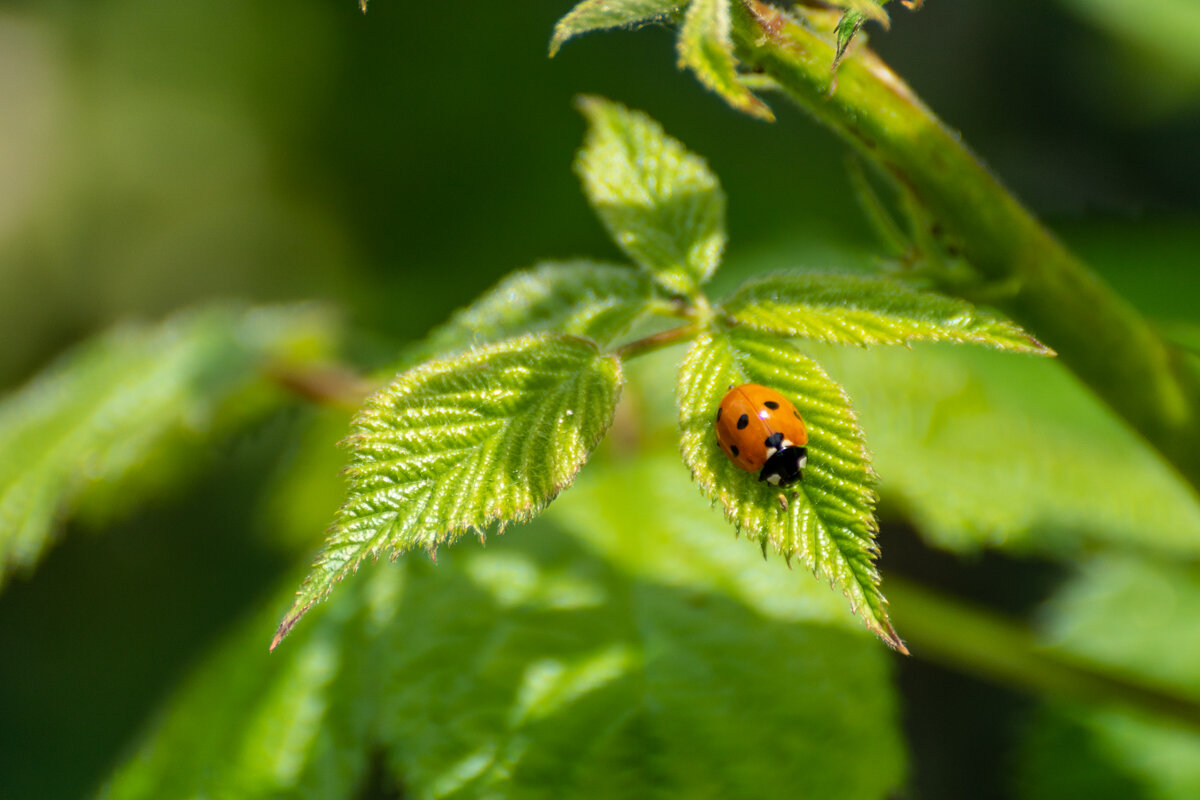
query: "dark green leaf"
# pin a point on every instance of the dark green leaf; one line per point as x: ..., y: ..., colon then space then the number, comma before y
x: 595, y: 15
x: 451, y: 446
x: 851, y: 309
x: 660, y: 203
x: 829, y: 521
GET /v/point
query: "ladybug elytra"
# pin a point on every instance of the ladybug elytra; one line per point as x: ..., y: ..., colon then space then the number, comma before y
x: 761, y: 431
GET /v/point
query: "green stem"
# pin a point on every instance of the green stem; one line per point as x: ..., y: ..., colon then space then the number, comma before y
x: 658, y: 341
x: 1096, y: 332
x: 948, y: 632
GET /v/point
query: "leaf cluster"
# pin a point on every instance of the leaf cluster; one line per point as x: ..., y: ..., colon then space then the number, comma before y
x: 519, y: 388
x: 705, y: 43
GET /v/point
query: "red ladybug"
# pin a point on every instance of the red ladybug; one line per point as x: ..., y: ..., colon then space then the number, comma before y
x: 761, y: 431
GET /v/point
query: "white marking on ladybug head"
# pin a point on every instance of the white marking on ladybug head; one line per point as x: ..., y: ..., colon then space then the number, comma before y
x: 804, y: 461
x: 773, y: 479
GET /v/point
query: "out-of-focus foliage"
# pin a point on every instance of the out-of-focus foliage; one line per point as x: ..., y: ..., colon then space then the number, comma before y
x: 127, y: 414
x: 490, y: 671
x: 1134, y: 617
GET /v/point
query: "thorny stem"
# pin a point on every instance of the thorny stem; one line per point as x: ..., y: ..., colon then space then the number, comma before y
x: 1098, y: 335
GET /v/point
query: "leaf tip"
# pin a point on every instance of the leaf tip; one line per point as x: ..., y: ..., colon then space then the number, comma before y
x: 288, y: 623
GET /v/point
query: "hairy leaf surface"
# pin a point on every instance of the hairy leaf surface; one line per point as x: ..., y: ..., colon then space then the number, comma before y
x: 122, y: 415
x: 852, y: 309
x: 582, y: 298
x: 829, y: 521
x: 706, y: 47
x: 660, y: 203
x: 595, y: 15
x: 451, y: 446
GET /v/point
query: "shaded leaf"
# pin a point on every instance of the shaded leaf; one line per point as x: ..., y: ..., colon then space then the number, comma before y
x: 660, y: 203
x: 122, y: 415
x: 451, y: 446
x: 852, y: 309
x: 706, y: 47
x: 829, y: 521
x: 582, y: 298
x: 594, y: 15
x: 534, y: 668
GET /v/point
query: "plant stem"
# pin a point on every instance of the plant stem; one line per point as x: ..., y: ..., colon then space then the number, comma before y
x: 657, y: 341
x: 1098, y: 335
x: 948, y: 632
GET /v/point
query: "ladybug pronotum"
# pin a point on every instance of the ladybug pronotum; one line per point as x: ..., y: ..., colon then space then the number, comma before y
x: 761, y: 431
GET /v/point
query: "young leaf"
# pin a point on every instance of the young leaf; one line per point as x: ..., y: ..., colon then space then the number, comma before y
x: 829, y: 521
x: 595, y: 15
x: 122, y: 415
x: 455, y: 444
x: 852, y: 309
x: 660, y: 203
x: 582, y: 298
x: 706, y: 47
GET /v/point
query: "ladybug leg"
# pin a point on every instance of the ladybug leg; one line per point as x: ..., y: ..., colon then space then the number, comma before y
x: 783, y: 503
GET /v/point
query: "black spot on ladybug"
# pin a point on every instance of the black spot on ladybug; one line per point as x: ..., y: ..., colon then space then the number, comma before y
x: 734, y: 450
x: 743, y: 421
x: 719, y: 412
x: 774, y: 441
x: 771, y: 404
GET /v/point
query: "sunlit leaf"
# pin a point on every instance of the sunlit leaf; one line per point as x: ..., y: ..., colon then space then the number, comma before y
x: 978, y: 449
x: 828, y: 523
x: 706, y: 47
x: 595, y: 15
x: 122, y: 415
x: 451, y: 446
x: 583, y: 298
x: 660, y: 203
x: 852, y: 309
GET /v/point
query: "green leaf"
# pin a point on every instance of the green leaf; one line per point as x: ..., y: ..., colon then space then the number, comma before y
x: 978, y: 449
x: 124, y: 415
x: 456, y: 444
x: 851, y: 309
x: 581, y: 298
x: 706, y: 47
x: 660, y: 203
x: 1134, y: 617
x: 594, y: 15
x: 537, y: 668
x: 847, y: 28
x: 829, y: 521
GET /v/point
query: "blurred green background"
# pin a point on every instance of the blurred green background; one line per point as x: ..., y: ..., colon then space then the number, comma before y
x: 158, y: 155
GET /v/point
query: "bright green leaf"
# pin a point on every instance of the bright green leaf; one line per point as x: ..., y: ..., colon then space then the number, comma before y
x: 660, y: 203
x: 829, y: 521
x: 582, y: 298
x: 706, y: 47
x: 451, y: 446
x: 594, y: 15
x: 851, y: 309
x: 122, y: 415
x: 978, y: 449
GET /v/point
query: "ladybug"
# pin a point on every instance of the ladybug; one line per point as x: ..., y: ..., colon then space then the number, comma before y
x: 761, y: 431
